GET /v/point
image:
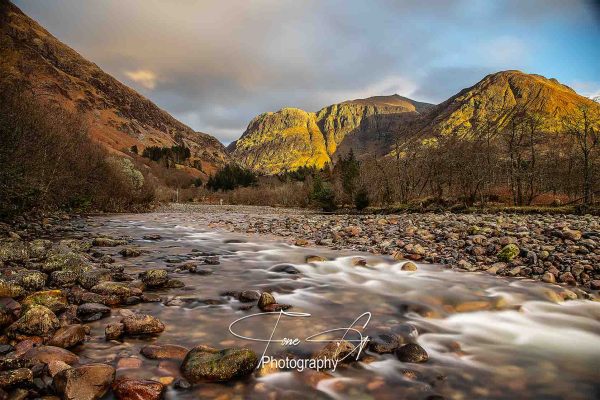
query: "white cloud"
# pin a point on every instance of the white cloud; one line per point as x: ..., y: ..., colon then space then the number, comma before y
x: 143, y: 77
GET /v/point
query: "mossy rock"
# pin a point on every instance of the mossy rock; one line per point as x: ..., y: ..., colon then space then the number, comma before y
x: 36, y: 321
x: 154, y: 277
x: 68, y: 261
x: 117, y: 289
x: 75, y: 244
x: 204, y: 363
x: 509, y: 252
x: 108, y: 242
x: 55, y: 300
x: 39, y: 248
x: 14, y: 251
x: 32, y: 280
x: 10, y: 289
x: 64, y: 278
x: 92, y: 278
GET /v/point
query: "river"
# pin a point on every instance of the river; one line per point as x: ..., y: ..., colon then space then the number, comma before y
x: 487, y: 337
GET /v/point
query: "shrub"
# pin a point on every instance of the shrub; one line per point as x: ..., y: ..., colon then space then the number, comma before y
x: 361, y: 200
x: 323, y: 194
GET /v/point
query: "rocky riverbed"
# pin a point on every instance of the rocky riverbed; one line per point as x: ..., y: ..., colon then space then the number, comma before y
x: 145, y: 306
x: 552, y: 248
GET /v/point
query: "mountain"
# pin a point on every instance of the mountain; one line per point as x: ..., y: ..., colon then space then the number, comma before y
x: 499, y: 94
x: 291, y: 138
x: 118, y: 117
x: 596, y: 99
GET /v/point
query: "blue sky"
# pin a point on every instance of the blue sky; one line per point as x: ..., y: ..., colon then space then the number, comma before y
x: 217, y: 64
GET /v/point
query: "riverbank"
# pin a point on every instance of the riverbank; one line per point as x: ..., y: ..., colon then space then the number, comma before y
x: 554, y: 248
x: 141, y: 305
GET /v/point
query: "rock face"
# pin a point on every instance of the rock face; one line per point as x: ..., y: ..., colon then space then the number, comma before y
x: 291, y: 138
x: 88, y: 382
x: 118, y: 117
x: 204, y: 363
x: 501, y: 92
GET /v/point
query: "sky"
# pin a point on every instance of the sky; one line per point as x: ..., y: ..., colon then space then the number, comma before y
x: 215, y: 65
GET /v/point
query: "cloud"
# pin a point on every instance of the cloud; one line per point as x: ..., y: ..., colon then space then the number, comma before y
x: 143, y: 77
x: 217, y: 64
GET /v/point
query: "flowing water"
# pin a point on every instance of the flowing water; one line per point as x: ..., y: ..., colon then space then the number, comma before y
x: 487, y: 337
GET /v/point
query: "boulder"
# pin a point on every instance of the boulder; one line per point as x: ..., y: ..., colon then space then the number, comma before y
x: 154, y: 278
x: 92, y: 278
x: 337, y: 350
x: 92, y: 311
x: 142, y: 324
x: 10, y: 289
x: 32, y: 280
x: 37, y: 321
x: 118, y: 289
x: 509, y: 252
x: 64, y: 261
x: 88, y: 382
x: 15, y: 377
x: 68, y: 336
x: 384, y: 343
x: 164, y: 351
x: 46, y: 354
x: 265, y: 300
x: 137, y: 389
x: 412, y: 353
x: 13, y: 251
x: 204, y: 363
x: 114, y: 331
x: 55, y: 300
x: 409, y: 266
x: 108, y: 242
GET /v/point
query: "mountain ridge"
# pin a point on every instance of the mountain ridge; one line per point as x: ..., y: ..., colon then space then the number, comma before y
x: 371, y: 126
x: 118, y: 117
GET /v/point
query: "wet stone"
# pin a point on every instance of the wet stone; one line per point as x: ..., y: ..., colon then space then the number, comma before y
x: 384, y: 343
x: 164, y: 351
x: 68, y: 336
x: 265, y: 300
x: 14, y: 377
x: 412, y: 353
x: 204, y: 363
x: 248, y: 296
x: 284, y: 269
x: 88, y: 382
x: 92, y: 311
x: 114, y: 331
x: 137, y: 389
x: 142, y: 324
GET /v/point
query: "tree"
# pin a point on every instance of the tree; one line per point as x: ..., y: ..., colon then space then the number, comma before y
x: 583, y: 127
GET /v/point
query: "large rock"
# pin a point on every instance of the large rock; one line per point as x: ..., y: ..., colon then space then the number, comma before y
x: 114, y: 331
x: 68, y: 336
x: 118, y: 289
x: 266, y: 299
x: 88, y: 382
x: 47, y: 354
x: 154, y: 278
x: 64, y: 261
x: 164, y: 351
x: 92, y: 311
x: 31, y: 280
x: 14, y: 377
x: 337, y: 350
x: 137, y: 389
x: 10, y: 289
x: 37, y: 321
x: 412, y: 353
x: 39, y: 248
x: 142, y: 324
x: 64, y: 278
x: 204, y: 363
x: 13, y: 251
x: 509, y: 252
x: 92, y: 278
x: 108, y: 242
x: 55, y: 300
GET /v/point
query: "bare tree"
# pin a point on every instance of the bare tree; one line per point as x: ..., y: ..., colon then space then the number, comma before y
x: 583, y: 127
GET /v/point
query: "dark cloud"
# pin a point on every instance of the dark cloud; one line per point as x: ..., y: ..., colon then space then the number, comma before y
x: 217, y: 64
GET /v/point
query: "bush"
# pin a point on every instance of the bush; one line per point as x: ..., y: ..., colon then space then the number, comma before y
x: 361, y: 200
x: 47, y: 161
x: 323, y: 194
x: 230, y: 177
